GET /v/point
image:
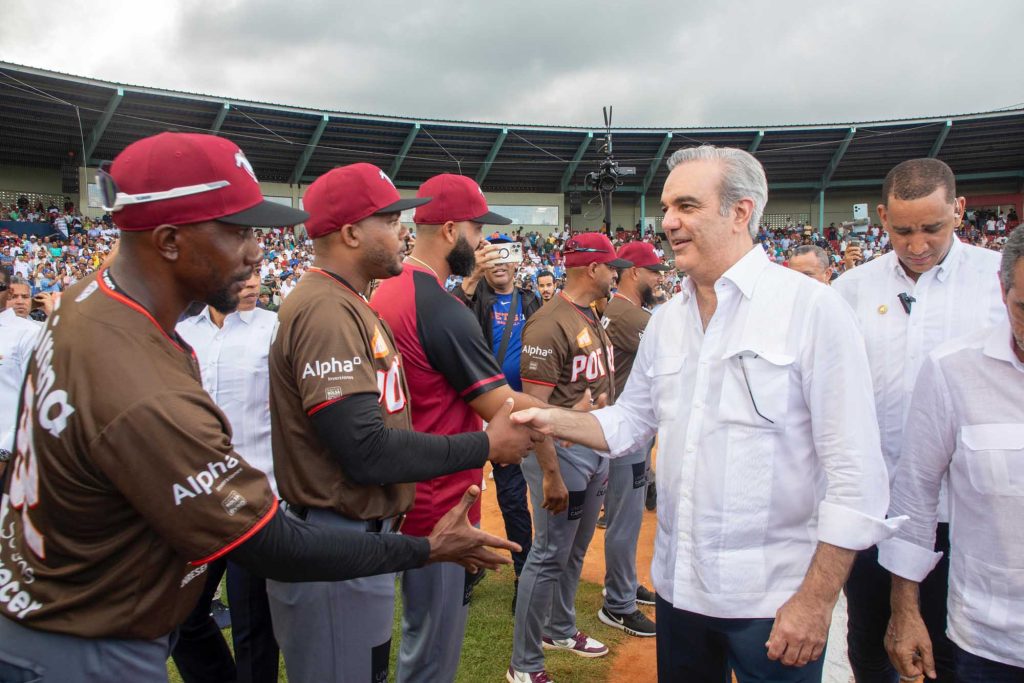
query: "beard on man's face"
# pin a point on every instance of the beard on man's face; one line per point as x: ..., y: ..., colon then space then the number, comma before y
x: 647, y: 296
x: 461, y: 259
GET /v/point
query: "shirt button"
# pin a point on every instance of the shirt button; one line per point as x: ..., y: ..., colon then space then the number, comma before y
x: 698, y: 405
x: 691, y: 448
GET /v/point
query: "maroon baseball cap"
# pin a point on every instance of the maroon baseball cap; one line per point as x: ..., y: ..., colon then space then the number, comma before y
x: 591, y: 247
x: 455, y: 198
x: 642, y: 255
x: 348, y: 195
x: 183, y: 178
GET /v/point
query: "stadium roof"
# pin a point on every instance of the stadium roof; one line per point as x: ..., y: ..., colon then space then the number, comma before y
x: 50, y: 119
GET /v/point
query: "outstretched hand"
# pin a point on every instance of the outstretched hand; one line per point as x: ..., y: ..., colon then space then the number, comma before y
x: 454, y: 539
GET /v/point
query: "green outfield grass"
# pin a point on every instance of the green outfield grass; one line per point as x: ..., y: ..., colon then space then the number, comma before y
x: 488, y: 645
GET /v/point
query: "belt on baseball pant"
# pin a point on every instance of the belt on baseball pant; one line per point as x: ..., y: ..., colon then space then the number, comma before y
x: 388, y: 525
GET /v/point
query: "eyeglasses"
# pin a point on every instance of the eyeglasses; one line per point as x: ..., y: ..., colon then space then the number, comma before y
x: 115, y: 201
x: 746, y: 379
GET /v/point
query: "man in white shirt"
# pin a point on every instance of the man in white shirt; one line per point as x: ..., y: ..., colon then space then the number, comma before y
x: 966, y: 421
x: 929, y: 289
x: 232, y: 349
x: 813, y: 262
x: 17, y: 339
x: 770, y: 471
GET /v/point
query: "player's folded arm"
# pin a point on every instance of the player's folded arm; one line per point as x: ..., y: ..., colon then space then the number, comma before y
x: 369, y: 452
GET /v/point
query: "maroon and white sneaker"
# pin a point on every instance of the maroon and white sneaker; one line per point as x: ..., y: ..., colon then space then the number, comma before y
x: 513, y: 676
x: 580, y: 644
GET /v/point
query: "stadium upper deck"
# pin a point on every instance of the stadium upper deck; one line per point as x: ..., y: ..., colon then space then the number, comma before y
x: 53, y: 120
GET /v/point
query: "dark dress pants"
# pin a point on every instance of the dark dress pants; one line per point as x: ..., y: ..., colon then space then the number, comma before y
x: 511, y: 487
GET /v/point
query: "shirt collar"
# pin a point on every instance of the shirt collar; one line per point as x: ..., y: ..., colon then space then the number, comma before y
x: 942, y: 270
x: 997, y: 346
x: 746, y: 272
x: 244, y: 316
x: 8, y: 316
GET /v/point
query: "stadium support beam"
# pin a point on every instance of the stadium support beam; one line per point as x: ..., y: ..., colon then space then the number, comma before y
x: 821, y: 210
x: 937, y: 146
x: 396, y: 165
x: 101, y: 125
x: 836, y: 158
x: 655, y: 163
x: 575, y: 163
x: 756, y: 142
x: 491, y: 156
x: 307, y: 153
x: 219, y: 121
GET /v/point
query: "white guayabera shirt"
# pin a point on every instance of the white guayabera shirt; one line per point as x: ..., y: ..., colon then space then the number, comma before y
x: 967, y: 419
x: 956, y: 297
x: 767, y: 441
x: 233, y: 361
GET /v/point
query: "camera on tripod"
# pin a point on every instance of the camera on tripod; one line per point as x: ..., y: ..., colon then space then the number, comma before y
x: 607, y: 178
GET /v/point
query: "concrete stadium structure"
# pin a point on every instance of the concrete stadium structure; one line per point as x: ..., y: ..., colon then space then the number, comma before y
x: 56, y: 128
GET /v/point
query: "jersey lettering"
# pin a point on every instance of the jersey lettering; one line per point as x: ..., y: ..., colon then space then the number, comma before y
x: 25, y: 474
x: 591, y: 366
x: 389, y: 384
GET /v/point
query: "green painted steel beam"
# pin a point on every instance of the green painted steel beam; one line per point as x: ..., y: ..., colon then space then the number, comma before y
x: 837, y: 157
x: 756, y: 142
x: 481, y: 175
x: 575, y: 163
x: 941, y: 139
x: 307, y: 153
x: 219, y: 121
x: 624, y: 189
x: 396, y: 165
x: 877, y: 182
x: 101, y: 126
x: 653, y: 170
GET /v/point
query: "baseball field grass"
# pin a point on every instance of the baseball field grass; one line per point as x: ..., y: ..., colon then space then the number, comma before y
x: 488, y: 644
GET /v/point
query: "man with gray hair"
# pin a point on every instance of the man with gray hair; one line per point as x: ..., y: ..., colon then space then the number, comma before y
x: 979, y: 446
x: 812, y: 261
x: 756, y: 382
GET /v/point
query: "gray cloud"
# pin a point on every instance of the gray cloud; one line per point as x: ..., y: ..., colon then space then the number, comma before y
x: 660, y: 63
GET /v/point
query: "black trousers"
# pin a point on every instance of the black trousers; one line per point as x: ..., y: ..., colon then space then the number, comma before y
x: 867, y: 597
x: 511, y: 487
x: 693, y: 648
x: 201, y: 653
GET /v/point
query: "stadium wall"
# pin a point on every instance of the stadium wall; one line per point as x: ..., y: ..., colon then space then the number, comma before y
x: 36, y: 180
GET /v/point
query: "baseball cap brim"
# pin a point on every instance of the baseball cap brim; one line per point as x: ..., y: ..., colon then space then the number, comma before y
x: 403, y: 205
x: 491, y: 218
x: 659, y: 267
x: 619, y: 263
x: 266, y: 215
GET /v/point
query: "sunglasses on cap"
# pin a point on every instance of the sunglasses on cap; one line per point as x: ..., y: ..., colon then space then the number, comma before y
x: 113, y: 200
x: 573, y: 249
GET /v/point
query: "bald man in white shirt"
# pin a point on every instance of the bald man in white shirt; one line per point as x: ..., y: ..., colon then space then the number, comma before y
x: 931, y: 288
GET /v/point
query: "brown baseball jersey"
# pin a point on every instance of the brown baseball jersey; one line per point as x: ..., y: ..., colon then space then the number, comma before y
x: 565, y: 347
x: 624, y: 321
x: 331, y: 345
x: 124, y: 482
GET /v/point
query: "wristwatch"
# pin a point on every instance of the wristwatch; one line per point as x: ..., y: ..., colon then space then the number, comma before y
x: 5, y: 455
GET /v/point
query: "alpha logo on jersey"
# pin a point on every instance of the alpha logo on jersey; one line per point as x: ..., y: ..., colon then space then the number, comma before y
x: 583, y: 338
x: 379, y: 346
x: 202, y: 482
x: 332, y: 366
x: 537, y: 351
x: 591, y: 365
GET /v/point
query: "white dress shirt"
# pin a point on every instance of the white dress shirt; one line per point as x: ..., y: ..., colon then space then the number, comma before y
x: 967, y: 419
x: 746, y: 497
x: 18, y: 337
x: 233, y: 360
x: 956, y: 297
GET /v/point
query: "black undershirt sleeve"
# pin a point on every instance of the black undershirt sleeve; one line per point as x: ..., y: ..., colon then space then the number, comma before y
x: 371, y: 453
x: 287, y: 549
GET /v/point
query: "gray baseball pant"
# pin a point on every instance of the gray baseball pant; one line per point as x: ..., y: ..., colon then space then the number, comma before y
x: 435, y: 606
x: 624, y: 512
x: 334, y: 631
x: 547, y: 586
x: 31, y: 656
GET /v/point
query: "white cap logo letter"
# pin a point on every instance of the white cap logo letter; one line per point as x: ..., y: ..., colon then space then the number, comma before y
x: 242, y: 162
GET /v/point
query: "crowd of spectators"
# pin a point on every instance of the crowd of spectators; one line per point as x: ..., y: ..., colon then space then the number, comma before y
x: 78, y: 245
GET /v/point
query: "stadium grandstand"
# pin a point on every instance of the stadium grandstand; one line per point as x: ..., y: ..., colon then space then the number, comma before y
x: 56, y: 128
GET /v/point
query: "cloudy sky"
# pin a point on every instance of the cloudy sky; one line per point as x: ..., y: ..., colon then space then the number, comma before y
x: 665, y: 63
